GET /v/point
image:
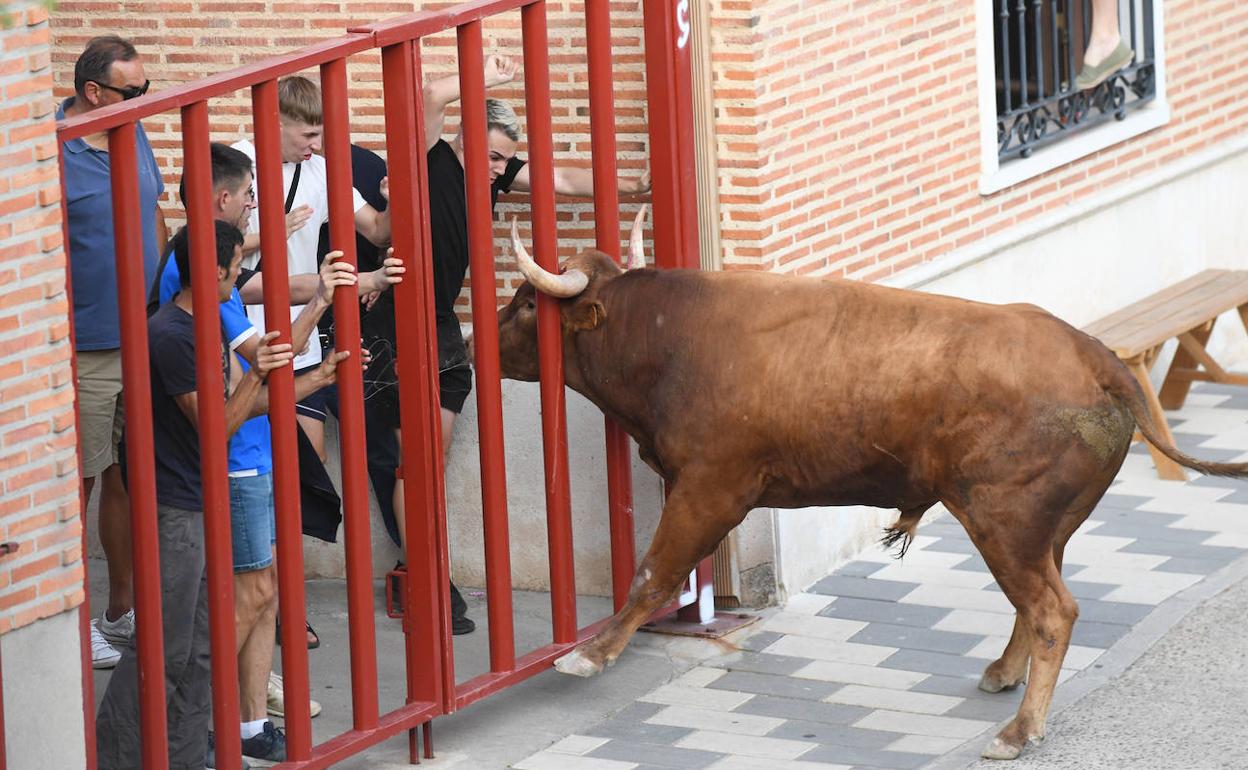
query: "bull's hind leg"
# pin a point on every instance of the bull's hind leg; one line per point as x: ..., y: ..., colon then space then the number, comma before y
x: 1049, y: 611
x: 1029, y: 576
x: 1010, y: 670
x: 695, y: 518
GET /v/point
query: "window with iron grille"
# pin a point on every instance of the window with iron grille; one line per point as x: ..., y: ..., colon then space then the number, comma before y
x: 1039, y: 47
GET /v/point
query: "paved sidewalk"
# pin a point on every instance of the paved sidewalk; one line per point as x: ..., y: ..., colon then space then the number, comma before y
x: 877, y: 664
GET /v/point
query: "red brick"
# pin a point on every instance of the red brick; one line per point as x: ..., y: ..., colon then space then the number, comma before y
x: 30, y: 569
x: 11, y: 599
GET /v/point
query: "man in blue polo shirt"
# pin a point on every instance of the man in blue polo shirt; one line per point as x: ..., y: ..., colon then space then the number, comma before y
x: 108, y: 71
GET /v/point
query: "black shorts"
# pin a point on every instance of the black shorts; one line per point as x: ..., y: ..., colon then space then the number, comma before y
x: 315, y: 405
x: 381, y: 392
x: 454, y: 386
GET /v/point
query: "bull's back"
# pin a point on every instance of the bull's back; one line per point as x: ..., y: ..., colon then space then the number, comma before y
x: 836, y: 384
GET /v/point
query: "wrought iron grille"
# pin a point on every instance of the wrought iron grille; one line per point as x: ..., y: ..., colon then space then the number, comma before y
x: 1039, y: 50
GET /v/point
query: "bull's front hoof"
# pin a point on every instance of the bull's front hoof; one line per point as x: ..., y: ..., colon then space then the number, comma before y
x: 577, y: 663
x: 999, y: 749
x: 1003, y: 749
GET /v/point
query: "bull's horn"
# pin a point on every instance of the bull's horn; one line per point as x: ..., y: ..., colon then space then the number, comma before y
x: 567, y: 284
x: 636, y: 257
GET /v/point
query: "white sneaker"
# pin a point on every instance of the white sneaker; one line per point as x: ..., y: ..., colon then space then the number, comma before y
x: 119, y: 632
x: 277, y: 698
x: 103, y: 654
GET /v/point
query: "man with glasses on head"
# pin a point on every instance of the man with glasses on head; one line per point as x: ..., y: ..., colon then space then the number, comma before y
x: 108, y: 71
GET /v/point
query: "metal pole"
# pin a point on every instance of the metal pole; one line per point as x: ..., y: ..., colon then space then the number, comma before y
x: 351, y: 402
x: 282, y: 425
x: 425, y: 344
x: 549, y: 342
x: 485, y: 330
x: 137, y: 391
x: 414, y: 338
x: 607, y: 240
x: 84, y: 609
x: 214, y: 465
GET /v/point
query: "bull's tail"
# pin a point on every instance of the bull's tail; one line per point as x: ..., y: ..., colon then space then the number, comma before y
x: 1125, y: 387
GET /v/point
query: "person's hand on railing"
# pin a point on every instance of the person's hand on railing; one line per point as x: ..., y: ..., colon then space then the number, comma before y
x: 499, y: 69
x: 638, y: 186
x: 372, y: 284
x: 334, y: 273
x: 270, y: 356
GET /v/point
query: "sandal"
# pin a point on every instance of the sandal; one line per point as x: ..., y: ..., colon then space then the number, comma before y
x: 314, y: 639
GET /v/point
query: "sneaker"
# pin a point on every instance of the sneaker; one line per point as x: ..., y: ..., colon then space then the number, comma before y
x: 210, y: 762
x: 103, y: 654
x: 462, y: 624
x: 119, y: 632
x: 266, y: 749
x: 277, y: 698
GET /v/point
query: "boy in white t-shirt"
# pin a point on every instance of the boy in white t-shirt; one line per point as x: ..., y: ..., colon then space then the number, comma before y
x: 303, y: 169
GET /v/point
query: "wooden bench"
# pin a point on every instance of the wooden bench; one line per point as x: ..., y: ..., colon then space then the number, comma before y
x: 1187, y: 312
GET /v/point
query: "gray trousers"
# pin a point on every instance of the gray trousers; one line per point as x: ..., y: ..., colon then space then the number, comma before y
x: 188, y: 693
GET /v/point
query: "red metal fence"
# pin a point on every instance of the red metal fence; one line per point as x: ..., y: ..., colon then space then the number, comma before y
x: 431, y: 687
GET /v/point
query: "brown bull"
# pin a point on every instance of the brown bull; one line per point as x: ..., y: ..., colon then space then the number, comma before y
x: 749, y: 389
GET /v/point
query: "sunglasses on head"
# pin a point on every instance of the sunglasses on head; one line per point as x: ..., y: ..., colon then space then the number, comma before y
x: 129, y: 92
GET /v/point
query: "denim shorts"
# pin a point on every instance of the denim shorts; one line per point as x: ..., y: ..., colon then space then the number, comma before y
x: 253, y: 524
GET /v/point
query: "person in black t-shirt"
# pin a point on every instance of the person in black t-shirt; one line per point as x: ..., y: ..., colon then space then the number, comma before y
x: 448, y: 215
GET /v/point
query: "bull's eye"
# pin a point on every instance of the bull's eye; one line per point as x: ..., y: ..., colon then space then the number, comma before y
x: 530, y: 305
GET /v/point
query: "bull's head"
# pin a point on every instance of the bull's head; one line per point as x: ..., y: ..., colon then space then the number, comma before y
x: 578, y: 287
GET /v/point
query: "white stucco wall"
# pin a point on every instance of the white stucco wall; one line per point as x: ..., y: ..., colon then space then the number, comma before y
x: 43, y: 722
x: 1081, y: 263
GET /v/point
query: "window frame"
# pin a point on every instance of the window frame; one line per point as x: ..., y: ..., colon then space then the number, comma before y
x: 996, y: 176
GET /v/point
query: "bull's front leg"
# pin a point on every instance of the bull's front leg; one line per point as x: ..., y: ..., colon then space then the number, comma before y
x: 698, y: 513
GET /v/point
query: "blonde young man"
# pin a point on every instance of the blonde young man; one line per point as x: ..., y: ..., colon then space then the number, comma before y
x: 306, y: 189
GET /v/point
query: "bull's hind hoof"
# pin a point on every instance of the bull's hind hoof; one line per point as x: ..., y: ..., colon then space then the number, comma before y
x: 991, y: 683
x: 999, y: 749
x: 577, y: 663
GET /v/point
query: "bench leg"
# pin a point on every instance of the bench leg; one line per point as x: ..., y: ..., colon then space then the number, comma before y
x: 1166, y: 468
x: 1173, y: 389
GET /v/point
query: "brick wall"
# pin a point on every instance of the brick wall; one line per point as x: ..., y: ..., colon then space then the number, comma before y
x: 38, y: 465
x: 849, y: 132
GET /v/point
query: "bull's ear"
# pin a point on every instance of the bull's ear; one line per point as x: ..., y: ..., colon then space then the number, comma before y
x: 584, y: 315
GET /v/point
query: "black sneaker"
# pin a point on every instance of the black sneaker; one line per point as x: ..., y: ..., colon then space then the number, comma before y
x: 267, y: 748
x: 462, y: 624
x: 210, y: 763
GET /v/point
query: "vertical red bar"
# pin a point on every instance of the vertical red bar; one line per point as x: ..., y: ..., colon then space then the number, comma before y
x: 485, y: 330
x: 137, y: 391
x: 607, y: 236
x: 353, y: 450
x: 214, y: 467
x: 549, y: 333
x: 84, y: 609
x: 282, y: 426
x: 414, y: 337
x: 435, y: 473
x: 3, y: 761
x: 669, y: 94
